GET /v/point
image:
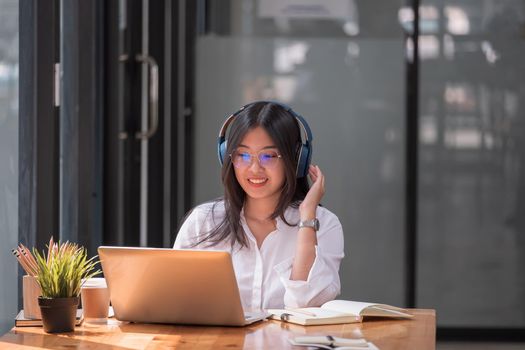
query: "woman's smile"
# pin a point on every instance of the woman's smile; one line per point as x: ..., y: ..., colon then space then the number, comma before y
x: 257, y: 181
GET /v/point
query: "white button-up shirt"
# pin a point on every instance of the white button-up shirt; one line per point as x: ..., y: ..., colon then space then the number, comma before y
x: 263, y: 274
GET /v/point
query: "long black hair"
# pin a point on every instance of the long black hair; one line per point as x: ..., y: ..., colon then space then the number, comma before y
x: 284, y: 130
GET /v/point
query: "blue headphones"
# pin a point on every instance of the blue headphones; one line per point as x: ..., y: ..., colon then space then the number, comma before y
x: 304, y: 153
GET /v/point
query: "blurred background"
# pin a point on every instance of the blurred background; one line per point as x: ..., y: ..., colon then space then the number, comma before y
x: 110, y: 110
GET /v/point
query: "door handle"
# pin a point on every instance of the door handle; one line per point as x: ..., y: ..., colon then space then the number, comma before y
x: 153, y: 97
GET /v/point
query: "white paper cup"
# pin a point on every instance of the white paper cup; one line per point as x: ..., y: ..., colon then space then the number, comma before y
x: 95, y: 298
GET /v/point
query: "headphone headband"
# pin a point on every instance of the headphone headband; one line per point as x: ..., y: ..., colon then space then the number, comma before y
x: 305, y: 152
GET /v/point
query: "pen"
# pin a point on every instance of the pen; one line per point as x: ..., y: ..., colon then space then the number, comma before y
x: 29, y: 260
x: 301, y: 311
x: 29, y: 254
x: 22, y: 262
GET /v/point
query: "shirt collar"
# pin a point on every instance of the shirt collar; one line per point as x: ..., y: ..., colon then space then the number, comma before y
x: 291, y: 215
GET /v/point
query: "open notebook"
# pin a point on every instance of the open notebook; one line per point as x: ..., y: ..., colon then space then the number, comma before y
x: 337, y: 311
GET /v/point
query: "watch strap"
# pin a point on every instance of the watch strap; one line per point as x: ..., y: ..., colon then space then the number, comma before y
x: 314, y: 223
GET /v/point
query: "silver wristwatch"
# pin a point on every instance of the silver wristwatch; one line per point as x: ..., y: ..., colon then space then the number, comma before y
x: 314, y: 223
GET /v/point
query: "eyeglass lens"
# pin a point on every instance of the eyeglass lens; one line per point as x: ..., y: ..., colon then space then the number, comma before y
x: 243, y: 159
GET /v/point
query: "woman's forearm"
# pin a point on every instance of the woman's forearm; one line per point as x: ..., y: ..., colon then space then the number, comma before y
x: 305, y: 248
x: 304, y: 254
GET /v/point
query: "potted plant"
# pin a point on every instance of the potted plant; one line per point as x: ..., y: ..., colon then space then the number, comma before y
x: 60, y: 275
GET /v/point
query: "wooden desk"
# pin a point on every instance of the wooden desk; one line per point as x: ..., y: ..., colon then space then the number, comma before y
x: 418, y: 333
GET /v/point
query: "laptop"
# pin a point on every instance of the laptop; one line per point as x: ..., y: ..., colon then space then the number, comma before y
x: 158, y: 285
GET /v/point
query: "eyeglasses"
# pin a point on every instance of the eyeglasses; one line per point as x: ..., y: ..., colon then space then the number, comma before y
x: 243, y: 159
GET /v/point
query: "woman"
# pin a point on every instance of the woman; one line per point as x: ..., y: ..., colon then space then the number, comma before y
x: 286, y: 249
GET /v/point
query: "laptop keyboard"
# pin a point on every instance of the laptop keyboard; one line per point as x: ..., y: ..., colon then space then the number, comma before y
x: 250, y: 316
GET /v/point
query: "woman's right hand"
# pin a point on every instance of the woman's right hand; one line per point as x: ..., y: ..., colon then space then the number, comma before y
x: 309, y: 205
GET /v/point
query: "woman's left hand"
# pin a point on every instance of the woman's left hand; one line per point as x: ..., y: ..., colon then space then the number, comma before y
x: 314, y: 195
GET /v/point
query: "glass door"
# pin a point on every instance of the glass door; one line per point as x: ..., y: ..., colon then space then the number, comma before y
x: 145, y: 129
x: 472, y: 159
x: 9, y: 63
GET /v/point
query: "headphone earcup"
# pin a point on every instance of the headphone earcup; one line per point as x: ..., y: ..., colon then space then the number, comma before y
x: 223, y: 146
x: 303, y: 161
